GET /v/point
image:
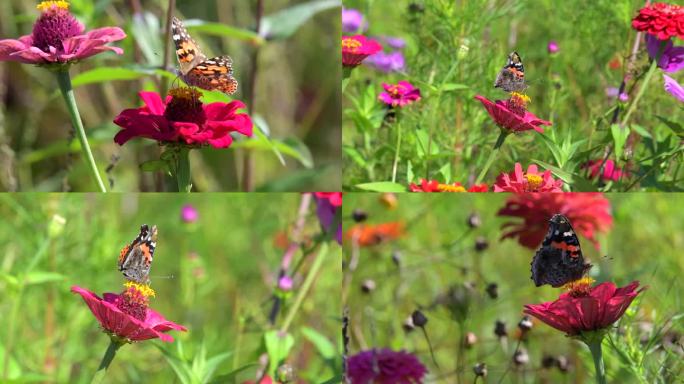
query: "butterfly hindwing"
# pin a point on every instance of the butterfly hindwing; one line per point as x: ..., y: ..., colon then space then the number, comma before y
x: 135, y: 260
x: 511, y: 78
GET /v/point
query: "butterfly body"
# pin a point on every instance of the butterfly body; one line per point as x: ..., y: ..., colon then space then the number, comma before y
x: 511, y: 78
x: 212, y: 74
x: 135, y: 259
x: 559, y: 260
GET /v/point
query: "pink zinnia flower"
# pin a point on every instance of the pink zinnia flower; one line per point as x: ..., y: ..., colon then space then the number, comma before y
x: 357, y: 48
x: 588, y: 212
x: 661, y: 20
x: 586, y: 308
x: 610, y: 171
x: 59, y: 38
x: 530, y: 181
x: 183, y: 118
x: 511, y: 115
x: 400, y: 94
x: 127, y: 316
x: 384, y: 366
x: 435, y: 186
x: 189, y: 213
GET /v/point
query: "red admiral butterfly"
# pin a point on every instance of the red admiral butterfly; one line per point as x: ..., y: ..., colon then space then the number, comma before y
x: 135, y: 259
x: 559, y: 260
x: 511, y: 78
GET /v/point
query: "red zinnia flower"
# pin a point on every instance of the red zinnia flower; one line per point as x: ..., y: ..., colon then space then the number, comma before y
x: 127, y: 315
x: 355, y: 49
x: 661, y: 20
x: 59, y: 38
x: 435, y: 186
x: 400, y: 94
x: 586, y: 308
x: 588, y: 212
x: 384, y: 366
x: 610, y: 171
x: 511, y: 114
x: 530, y: 181
x: 183, y: 118
x: 368, y: 234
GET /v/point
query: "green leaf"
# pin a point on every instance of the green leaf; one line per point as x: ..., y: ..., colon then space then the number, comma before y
x: 13, y: 370
x: 382, y: 186
x: 155, y: 165
x: 409, y: 172
x: 286, y: 22
x: 223, y: 30
x: 106, y: 74
x: 43, y: 277
x: 446, y: 172
x: 232, y: 376
x: 323, y: 345
x: 567, y: 177
x: 145, y: 28
x: 212, y: 364
x: 334, y: 380
x: 355, y: 155
x: 278, y: 347
x: 422, y: 141
x: 453, y: 87
x: 292, y: 181
x: 675, y: 127
x: 619, y: 138
x: 263, y: 132
x: 641, y: 131
x: 290, y: 147
x: 180, y: 367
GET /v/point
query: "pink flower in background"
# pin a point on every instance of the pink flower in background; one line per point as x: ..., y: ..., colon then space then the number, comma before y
x: 399, y: 95
x: 552, y: 47
x: 530, y: 181
x: 127, y: 316
x: 183, y: 118
x: 59, y: 38
x: 610, y: 171
x: 384, y: 366
x: 511, y: 117
x: 285, y: 283
x: 673, y: 88
x: 189, y: 214
x: 435, y: 186
x: 355, y: 49
x: 328, y: 207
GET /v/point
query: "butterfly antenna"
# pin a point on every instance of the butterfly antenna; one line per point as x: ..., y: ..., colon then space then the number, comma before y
x: 163, y: 277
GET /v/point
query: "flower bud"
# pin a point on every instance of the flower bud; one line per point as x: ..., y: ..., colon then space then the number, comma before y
x: 480, y: 370
x: 469, y: 340
x: 520, y: 357
x: 56, y: 226
x: 474, y: 220
x: 525, y: 324
x: 368, y: 286
x: 359, y: 215
x: 500, y: 329
x: 493, y: 290
x: 419, y: 319
x: 481, y: 244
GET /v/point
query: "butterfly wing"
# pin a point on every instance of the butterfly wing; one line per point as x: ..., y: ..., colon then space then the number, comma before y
x: 511, y: 78
x: 187, y: 50
x: 213, y: 74
x: 136, y: 261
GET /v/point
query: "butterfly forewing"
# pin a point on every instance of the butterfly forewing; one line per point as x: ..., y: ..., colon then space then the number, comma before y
x: 187, y: 50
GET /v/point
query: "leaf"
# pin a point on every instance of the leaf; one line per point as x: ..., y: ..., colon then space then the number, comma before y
x: 422, y: 141
x: 105, y: 74
x: 453, y: 87
x: 334, y: 380
x: 619, y: 138
x: 355, y: 155
x: 179, y: 366
x: 567, y: 177
x: 382, y: 186
x: 675, y: 127
x: 409, y: 172
x: 212, y: 364
x: 641, y: 131
x: 446, y: 172
x: 155, y: 165
x: 289, y: 147
x: 223, y: 30
x: 292, y: 181
x: 145, y: 28
x: 232, y: 375
x: 43, y: 277
x: 321, y: 342
x: 278, y: 347
x: 264, y: 132
x: 286, y: 22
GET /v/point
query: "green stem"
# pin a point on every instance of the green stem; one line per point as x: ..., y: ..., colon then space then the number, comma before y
x: 642, y: 90
x: 492, y: 156
x: 106, y: 360
x: 183, y: 170
x: 346, y: 75
x: 68, y: 93
x: 396, y: 153
x: 597, y: 354
x: 317, y: 264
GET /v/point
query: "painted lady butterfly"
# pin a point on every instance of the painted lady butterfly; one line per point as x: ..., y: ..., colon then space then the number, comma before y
x: 511, y: 78
x: 135, y: 259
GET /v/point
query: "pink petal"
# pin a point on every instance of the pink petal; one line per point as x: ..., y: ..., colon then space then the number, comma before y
x: 153, y: 102
x: 107, y: 34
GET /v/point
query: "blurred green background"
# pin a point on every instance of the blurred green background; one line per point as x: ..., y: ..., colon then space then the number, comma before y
x: 215, y: 276
x: 454, y: 50
x: 438, y: 251
x: 297, y: 100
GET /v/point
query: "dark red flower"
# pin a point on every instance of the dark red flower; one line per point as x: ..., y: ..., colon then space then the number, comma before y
x: 586, y: 308
x: 610, y: 171
x: 661, y: 20
x: 59, y: 38
x: 384, y: 366
x: 589, y: 213
x: 127, y: 316
x: 482, y: 187
x: 436, y: 186
x: 511, y: 114
x: 183, y: 118
x: 356, y: 49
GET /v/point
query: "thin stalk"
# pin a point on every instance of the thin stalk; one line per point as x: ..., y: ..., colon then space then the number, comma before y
x: 106, y: 360
x: 492, y: 156
x: 167, y: 36
x: 315, y: 268
x: 64, y: 81
x: 183, y: 177
x: 346, y: 76
x: 248, y: 160
x: 597, y: 354
x: 642, y: 90
x: 396, y: 153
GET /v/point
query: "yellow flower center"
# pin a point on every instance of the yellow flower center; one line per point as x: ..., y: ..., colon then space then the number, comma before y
x: 185, y: 93
x: 520, y: 99
x: 581, y: 287
x: 450, y: 188
x: 350, y: 44
x: 533, y: 182
x: 45, y: 5
x: 143, y: 289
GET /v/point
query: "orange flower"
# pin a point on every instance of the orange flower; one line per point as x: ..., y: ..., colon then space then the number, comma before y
x: 373, y: 234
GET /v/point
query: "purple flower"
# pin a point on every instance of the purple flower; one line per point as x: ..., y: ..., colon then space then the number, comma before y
x: 189, y: 214
x: 384, y: 366
x: 59, y: 38
x: 672, y: 58
x: 387, y: 62
x: 674, y: 88
x: 612, y: 93
x: 394, y: 42
x: 352, y: 21
x: 327, y: 206
x: 285, y: 283
x: 400, y: 94
x: 552, y: 47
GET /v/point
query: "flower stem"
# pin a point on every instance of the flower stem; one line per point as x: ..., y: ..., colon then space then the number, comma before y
x: 68, y: 93
x: 114, y: 346
x: 492, y: 156
x: 642, y: 90
x: 597, y: 354
x: 396, y: 153
x: 317, y: 264
x: 183, y: 170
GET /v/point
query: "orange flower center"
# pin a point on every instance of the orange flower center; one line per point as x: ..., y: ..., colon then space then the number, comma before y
x: 533, y: 182
x: 396, y: 90
x: 450, y: 188
x: 580, y: 288
x: 350, y: 44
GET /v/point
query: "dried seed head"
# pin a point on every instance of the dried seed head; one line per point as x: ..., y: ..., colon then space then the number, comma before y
x: 480, y: 369
x: 481, y: 244
x: 368, y: 286
x: 520, y: 357
x: 474, y: 220
x: 408, y: 324
x: 493, y: 290
x: 525, y: 324
x: 419, y: 319
x: 469, y: 340
x: 548, y: 361
x: 500, y: 329
x: 359, y: 215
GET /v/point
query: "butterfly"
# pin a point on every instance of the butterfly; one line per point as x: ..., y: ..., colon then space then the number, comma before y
x: 559, y: 260
x: 511, y: 78
x: 215, y: 74
x: 135, y: 259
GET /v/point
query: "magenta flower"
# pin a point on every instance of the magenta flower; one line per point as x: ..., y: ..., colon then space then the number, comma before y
x: 610, y: 171
x: 400, y: 94
x: 183, y: 118
x: 512, y: 117
x: 384, y: 366
x: 355, y: 49
x: 127, y: 316
x: 189, y: 214
x: 552, y: 47
x: 671, y: 59
x: 352, y: 20
x: 674, y: 88
x: 59, y: 38
x: 530, y: 181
